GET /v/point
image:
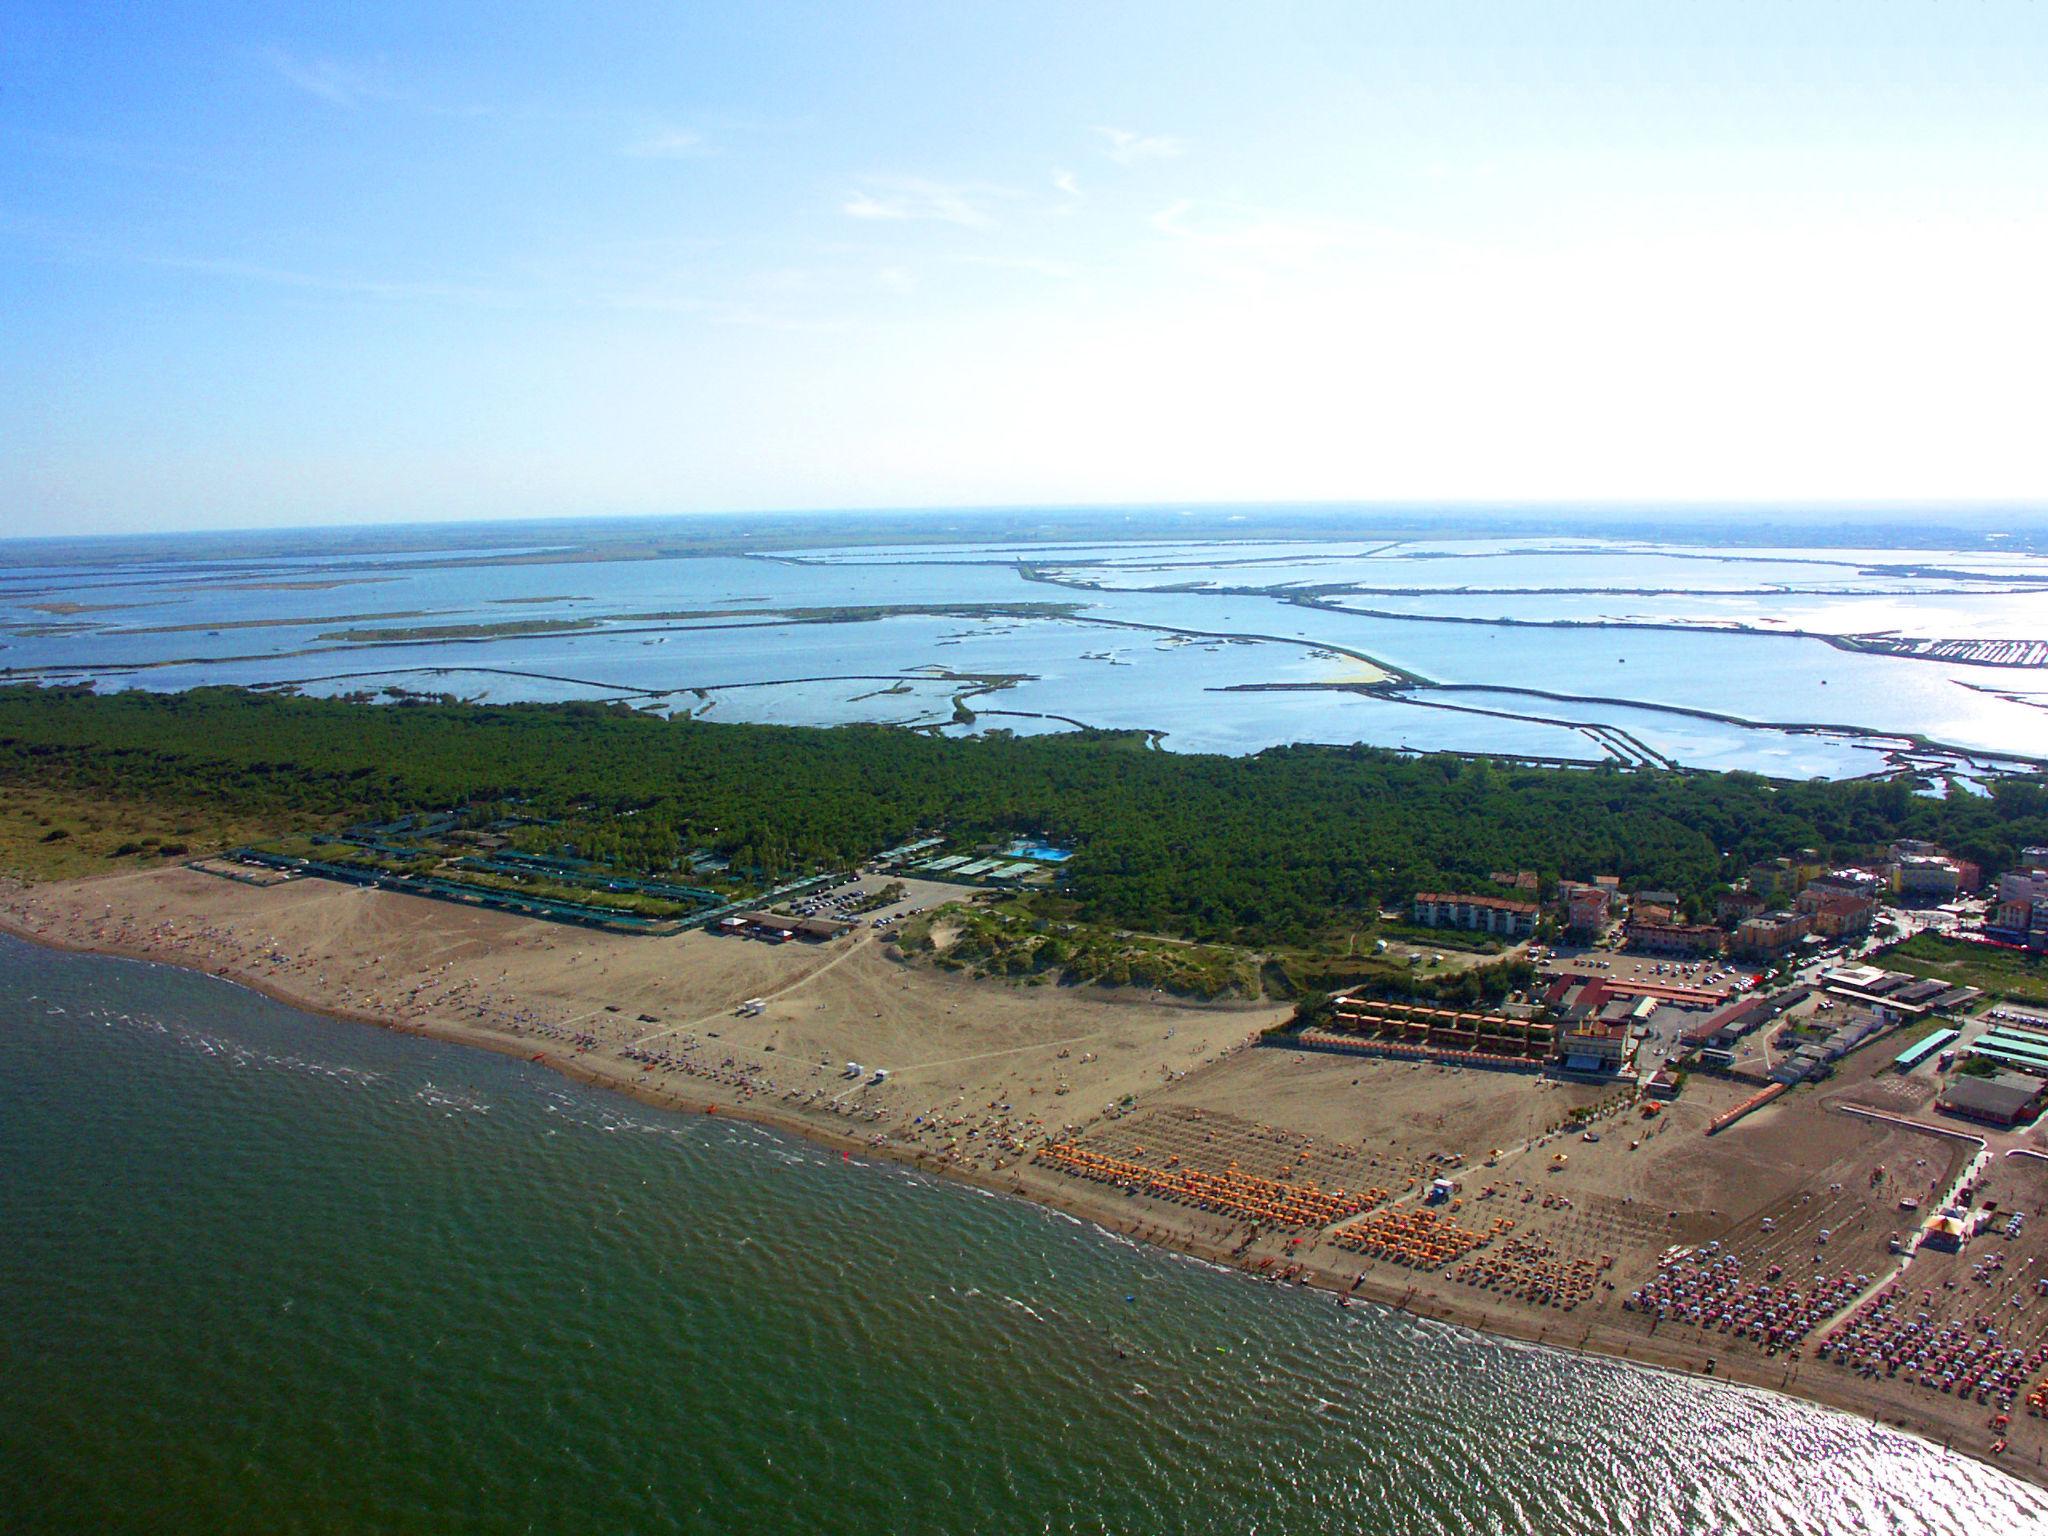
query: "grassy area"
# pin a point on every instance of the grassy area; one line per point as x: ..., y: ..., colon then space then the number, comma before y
x: 1038, y: 936
x: 2002, y: 972
x: 1011, y: 939
x: 1446, y: 940
x: 61, y: 834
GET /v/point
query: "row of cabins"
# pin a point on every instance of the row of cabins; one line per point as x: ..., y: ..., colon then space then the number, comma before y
x: 1487, y: 1034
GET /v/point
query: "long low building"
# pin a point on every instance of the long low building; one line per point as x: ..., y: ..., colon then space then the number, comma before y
x: 1907, y: 995
x: 1674, y: 938
x: 2006, y: 1100
x: 778, y: 929
x: 1921, y: 1050
x: 1482, y: 914
x: 1415, y: 1024
x: 2004, y: 1053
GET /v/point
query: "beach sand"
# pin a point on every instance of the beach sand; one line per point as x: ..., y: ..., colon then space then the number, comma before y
x: 982, y: 1073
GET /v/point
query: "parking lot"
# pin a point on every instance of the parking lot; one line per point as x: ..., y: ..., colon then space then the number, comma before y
x: 845, y: 899
x: 1617, y: 965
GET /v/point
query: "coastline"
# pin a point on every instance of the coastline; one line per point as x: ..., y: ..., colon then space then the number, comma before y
x: 1325, y: 1267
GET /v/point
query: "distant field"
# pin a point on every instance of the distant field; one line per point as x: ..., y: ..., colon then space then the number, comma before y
x: 2005, y: 972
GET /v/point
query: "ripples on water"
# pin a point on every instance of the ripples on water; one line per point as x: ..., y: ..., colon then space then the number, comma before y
x: 267, y: 1272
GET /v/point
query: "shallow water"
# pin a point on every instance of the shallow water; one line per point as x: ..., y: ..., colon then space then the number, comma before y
x: 1533, y: 615
x: 266, y: 1272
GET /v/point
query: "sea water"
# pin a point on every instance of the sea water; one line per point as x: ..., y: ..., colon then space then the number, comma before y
x: 266, y: 1272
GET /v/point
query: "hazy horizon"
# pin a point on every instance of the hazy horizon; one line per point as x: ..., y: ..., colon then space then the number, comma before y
x: 1197, y: 521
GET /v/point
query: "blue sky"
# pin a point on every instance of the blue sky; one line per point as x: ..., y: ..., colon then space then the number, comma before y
x: 264, y: 265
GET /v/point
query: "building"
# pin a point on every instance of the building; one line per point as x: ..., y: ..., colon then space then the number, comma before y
x: 1835, y: 913
x: 1445, y: 1029
x: 1895, y: 995
x: 1482, y: 914
x: 2020, y: 914
x: 1768, y: 935
x: 1860, y: 882
x: 1661, y: 938
x: 1774, y: 877
x: 1726, y: 1027
x: 2011, y: 917
x: 1586, y: 909
x: 777, y: 929
x: 2023, y: 885
x: 1731, y: 907
x: 2009, y: 1099
x: 1597, y: 1046
x: 1928, y: 876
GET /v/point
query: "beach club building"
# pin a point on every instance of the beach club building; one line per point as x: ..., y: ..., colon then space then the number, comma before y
x: 1601, y: 1045
x: 777, y: 929
x: 1419, y: 1027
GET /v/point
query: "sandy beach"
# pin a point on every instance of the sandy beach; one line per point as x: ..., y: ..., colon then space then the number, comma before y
x: 1563, y: 1230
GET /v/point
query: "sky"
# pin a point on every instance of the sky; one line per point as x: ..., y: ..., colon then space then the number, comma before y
x: 265, y: 265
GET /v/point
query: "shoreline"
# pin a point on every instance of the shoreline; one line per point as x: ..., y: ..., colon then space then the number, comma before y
x: 1175, y: 1231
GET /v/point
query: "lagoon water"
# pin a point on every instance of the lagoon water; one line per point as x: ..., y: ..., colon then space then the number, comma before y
x: 265, y: 1272
x: 1586, y: 649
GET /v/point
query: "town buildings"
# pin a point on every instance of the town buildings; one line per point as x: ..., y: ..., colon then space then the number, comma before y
x: 1672, y: 938
x: 1769, y: 935
x: 1836, y: 913
x: 2020, y: 914
x: 1587, y: 909
x: 1482, y: 914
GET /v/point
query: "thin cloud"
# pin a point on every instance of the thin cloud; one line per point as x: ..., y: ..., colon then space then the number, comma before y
x: 1065, y: 182
x: 284, y: 277
x: 671, y: 144
x: 1128, y: 148
x: 906, y: 199
x: 1247, y: 240
x: 1041, y: 265
x: 331, y: 80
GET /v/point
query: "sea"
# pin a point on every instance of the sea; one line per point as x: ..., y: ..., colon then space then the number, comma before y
x: 266, y: 1272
